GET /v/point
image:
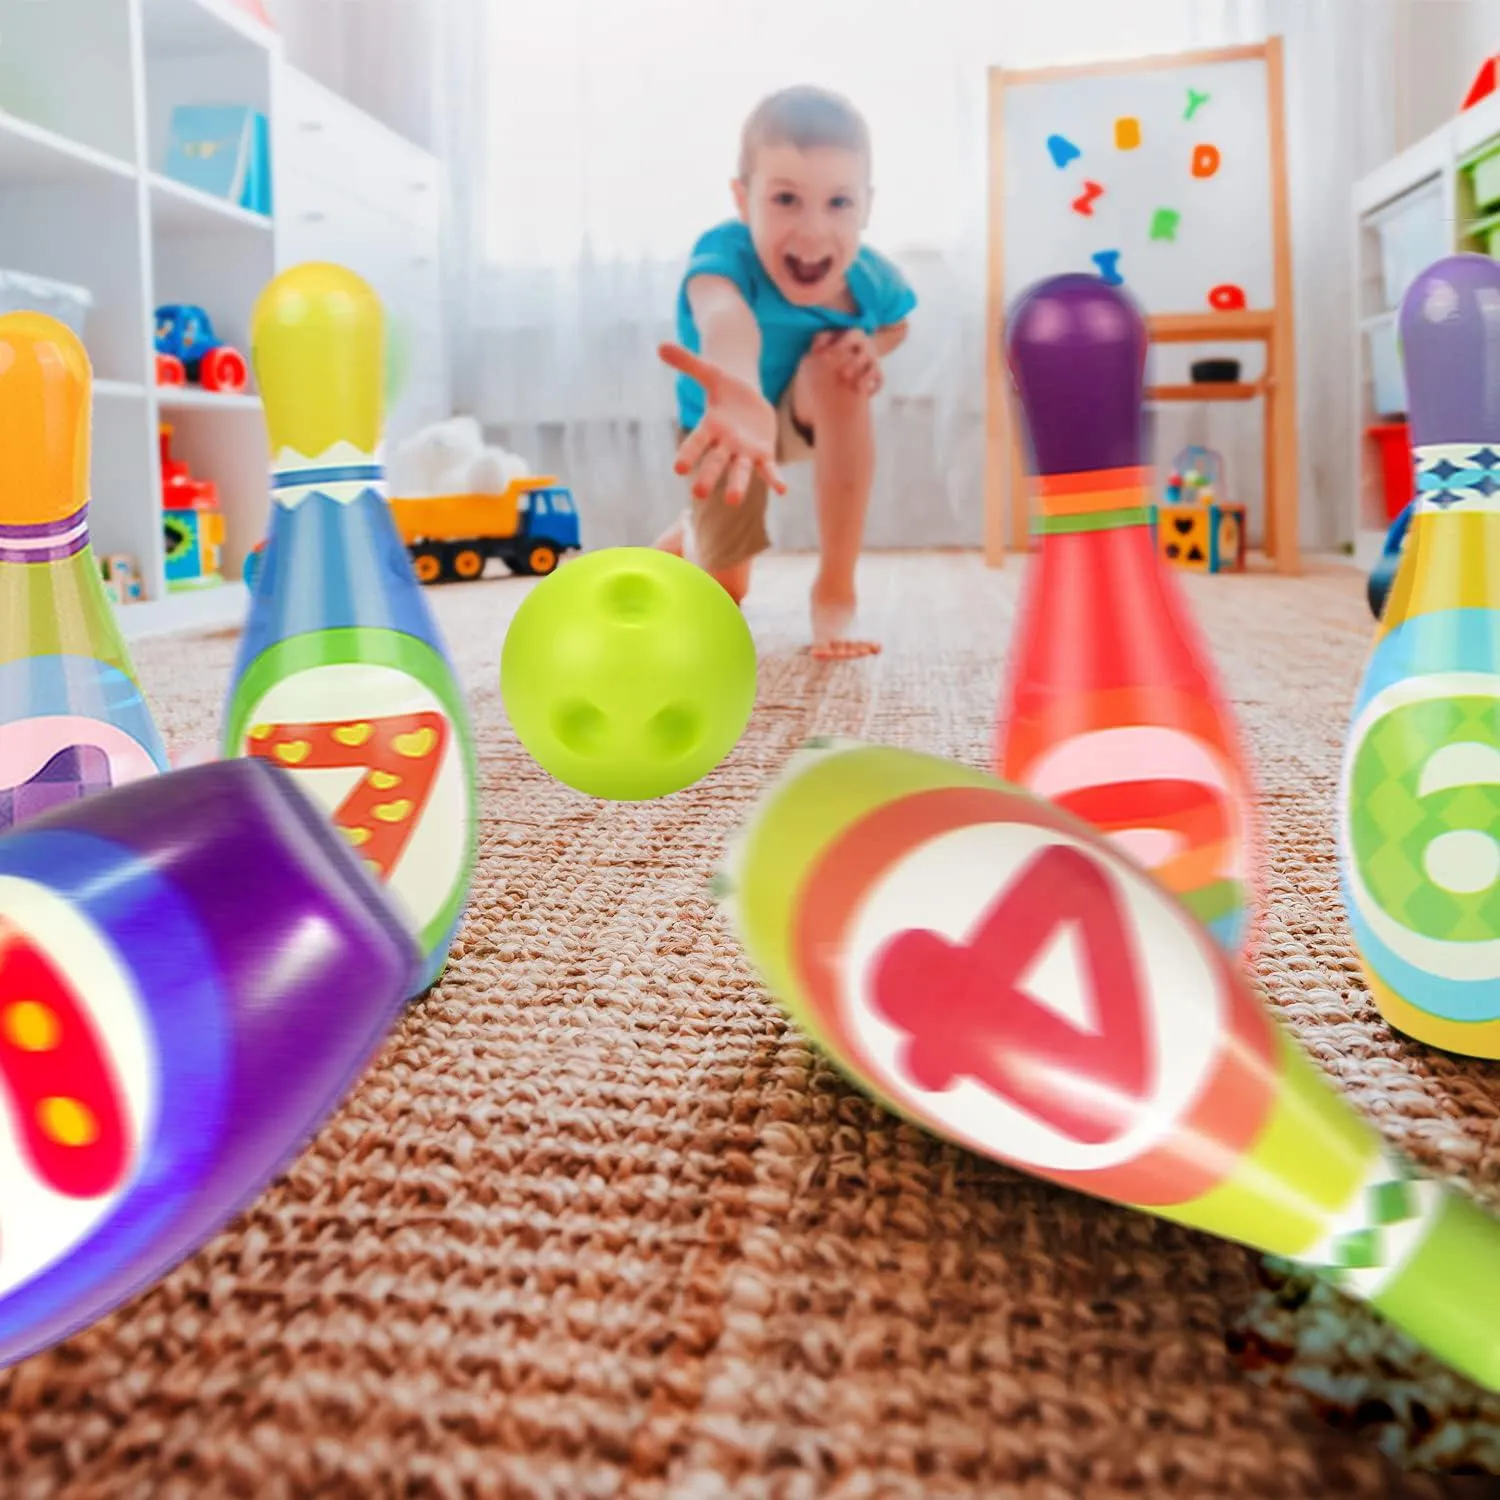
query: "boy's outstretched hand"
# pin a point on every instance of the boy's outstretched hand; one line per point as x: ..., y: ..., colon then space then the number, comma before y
x: 737, y: 435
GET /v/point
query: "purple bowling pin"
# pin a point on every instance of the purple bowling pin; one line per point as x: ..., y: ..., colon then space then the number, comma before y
x: 1420, y: 794
x: 194, y: 970
x: 1114, y: 708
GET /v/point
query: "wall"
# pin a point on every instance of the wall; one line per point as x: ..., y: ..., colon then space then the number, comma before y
x: 379, y: 54
x: 1440, y: 45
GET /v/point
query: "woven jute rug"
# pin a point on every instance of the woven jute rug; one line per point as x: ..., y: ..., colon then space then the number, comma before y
x: 599, y: 1223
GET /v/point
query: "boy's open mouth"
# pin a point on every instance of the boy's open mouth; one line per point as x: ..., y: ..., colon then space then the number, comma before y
x: 808, y: 272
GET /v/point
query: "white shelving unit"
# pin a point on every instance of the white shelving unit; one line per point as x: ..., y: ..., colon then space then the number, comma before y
x: 83, y: 136
x: 1426, y: 181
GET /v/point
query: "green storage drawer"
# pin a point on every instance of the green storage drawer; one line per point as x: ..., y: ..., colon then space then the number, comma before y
x: 1484, y: 176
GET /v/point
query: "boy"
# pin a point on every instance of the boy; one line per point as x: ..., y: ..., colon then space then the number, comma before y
x: 783, y: 319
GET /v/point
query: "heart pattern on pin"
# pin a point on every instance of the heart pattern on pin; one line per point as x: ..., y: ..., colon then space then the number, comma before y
x: 378, y: 827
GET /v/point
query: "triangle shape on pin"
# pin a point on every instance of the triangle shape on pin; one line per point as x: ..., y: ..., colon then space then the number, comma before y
x: 1058, y: 977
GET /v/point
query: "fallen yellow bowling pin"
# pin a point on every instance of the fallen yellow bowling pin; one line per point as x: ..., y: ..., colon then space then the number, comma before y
x: 997, y: 971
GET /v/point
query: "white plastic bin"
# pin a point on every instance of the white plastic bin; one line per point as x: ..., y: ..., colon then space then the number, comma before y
x: 1386, y: 372
x: 1412, y: 234
x: 58, y: 299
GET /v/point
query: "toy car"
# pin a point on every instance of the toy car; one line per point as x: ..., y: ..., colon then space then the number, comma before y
x: 529, y: 527
x: 187, y: 348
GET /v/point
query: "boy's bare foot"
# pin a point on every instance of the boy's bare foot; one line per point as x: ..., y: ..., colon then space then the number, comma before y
x: 832, y: 615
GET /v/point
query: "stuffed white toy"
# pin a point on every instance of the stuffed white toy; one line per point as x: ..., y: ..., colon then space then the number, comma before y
x: 452, y: 458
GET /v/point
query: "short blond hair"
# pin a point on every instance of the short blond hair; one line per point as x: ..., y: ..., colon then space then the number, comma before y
x: 807, y: 118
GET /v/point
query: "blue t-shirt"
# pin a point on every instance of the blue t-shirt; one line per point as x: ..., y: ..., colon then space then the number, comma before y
x: 879, y: 290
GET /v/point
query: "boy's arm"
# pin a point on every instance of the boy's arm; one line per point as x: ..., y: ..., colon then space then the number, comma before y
x: 728, y: 334
x: 738, y: 433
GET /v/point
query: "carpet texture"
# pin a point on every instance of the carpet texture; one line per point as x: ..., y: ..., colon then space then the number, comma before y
x: 599, y: 1223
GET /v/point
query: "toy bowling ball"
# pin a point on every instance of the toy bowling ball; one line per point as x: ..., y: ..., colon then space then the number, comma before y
x: 628, y: 673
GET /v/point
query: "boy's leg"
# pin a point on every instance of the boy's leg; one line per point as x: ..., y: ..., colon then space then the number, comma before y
x: 843, y: 454
x: 721, y: 538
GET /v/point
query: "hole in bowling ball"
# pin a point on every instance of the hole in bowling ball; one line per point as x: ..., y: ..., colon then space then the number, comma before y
x: 631, y: 596
x: 1184, y: 524
x: 580, y: 727
x: 1173, y: 551
x: 672, y: 731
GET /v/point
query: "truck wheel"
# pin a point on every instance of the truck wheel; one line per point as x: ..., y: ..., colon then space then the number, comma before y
x: 468, y: 563
x: 427, y: 564
x: 223, y: 369
x: 539, y: 559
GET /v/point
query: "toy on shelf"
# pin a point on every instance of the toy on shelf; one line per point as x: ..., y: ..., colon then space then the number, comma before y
x: 122, y: 579
x: 1195, y: 527
x: 223, y: 150
x: 192, y: 523
x: 188, y: 349
x: 459, y: 502
x: 62, y: 300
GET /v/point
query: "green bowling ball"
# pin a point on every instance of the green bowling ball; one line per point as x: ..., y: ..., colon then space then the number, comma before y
x: 628, y: 674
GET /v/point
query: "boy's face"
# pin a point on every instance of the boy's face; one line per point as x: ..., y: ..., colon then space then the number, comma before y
x: 806, y: 211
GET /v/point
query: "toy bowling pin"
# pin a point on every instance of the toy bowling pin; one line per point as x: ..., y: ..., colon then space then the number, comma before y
x: 1115, y: 710
x: 342, y: 676
x: 194, y: 969
x: 1419, y: 825
x: 998, y: 971
x: 72, y: 717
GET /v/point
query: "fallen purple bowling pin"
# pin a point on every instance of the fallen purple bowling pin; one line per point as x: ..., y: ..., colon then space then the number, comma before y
x: 194, y: 970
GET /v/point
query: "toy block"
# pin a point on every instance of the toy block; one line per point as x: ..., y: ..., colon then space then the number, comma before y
x: 1202, y: 538
x: 1184, y: 536
x: 1228, y: 538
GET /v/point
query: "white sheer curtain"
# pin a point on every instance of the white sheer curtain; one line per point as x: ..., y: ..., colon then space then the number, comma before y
x: 594, y: 139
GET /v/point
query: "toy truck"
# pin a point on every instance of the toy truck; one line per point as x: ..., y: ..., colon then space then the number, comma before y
x: 187, y: 348
x: 529, y: 526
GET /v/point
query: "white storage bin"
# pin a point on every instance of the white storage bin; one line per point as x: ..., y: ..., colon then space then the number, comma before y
x: 1386, y: 371
x: 68, y: 304
x: 1413, y: 234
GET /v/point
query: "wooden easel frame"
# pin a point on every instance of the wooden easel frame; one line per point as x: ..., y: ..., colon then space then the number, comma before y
x: 1275, y: 327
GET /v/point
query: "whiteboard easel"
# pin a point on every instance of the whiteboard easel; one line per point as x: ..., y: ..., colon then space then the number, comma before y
x: 1055, y: 134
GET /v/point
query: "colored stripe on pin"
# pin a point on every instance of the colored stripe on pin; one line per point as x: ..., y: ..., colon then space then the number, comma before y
x: 344, y: 484
x: 1098, y: 500
x: 1458, y: 474
x: 45, y: 541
